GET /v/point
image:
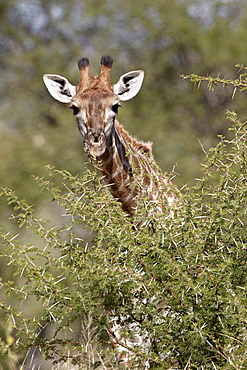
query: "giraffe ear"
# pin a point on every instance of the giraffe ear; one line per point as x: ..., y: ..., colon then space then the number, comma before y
x: 59, y: 88
x: 129, y: 85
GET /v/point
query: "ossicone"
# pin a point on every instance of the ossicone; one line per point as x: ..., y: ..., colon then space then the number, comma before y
x: 106, y: 61
x: 83, y: 63
x: 84, y: 68
x: 103, y: 78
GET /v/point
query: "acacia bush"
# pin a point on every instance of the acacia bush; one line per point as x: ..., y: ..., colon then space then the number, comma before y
x: 181, y: 280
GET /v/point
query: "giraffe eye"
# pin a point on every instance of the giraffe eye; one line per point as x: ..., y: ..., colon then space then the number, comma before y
x: 115, y: 108
x: 75, y: 109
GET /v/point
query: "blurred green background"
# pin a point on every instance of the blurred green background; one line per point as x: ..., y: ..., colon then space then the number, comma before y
x: 165, y: 38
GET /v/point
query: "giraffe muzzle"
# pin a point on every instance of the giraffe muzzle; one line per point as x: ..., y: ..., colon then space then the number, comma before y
x: 95, y: 143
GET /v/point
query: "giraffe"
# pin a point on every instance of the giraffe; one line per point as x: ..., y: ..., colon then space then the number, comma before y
x: 128, y: 166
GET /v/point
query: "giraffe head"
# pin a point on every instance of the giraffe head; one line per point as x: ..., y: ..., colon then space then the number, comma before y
x: 95, y: 100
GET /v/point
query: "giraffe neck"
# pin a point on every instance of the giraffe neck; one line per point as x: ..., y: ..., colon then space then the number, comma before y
x: 129, y: 169
x: 117, y: 170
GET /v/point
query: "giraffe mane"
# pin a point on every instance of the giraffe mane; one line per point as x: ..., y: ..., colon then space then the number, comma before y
x: 143, y: 147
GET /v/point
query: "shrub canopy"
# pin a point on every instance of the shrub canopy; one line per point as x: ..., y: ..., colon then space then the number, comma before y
x: 181, y: 282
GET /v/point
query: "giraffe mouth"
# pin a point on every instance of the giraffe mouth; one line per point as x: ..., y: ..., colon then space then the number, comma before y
x: 95, y: 144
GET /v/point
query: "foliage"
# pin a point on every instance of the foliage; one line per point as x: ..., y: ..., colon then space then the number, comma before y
x: 239, y: 83
x: 181, y: 281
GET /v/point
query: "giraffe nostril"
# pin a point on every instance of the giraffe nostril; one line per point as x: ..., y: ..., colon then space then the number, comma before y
x: 95, y: 137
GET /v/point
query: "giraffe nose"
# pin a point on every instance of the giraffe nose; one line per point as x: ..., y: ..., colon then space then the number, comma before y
x: 95, y: 142
x: 95, y: 136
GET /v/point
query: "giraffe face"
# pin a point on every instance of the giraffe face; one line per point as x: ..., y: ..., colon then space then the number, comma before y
x: 95, y: 113
x: 95, y: 100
